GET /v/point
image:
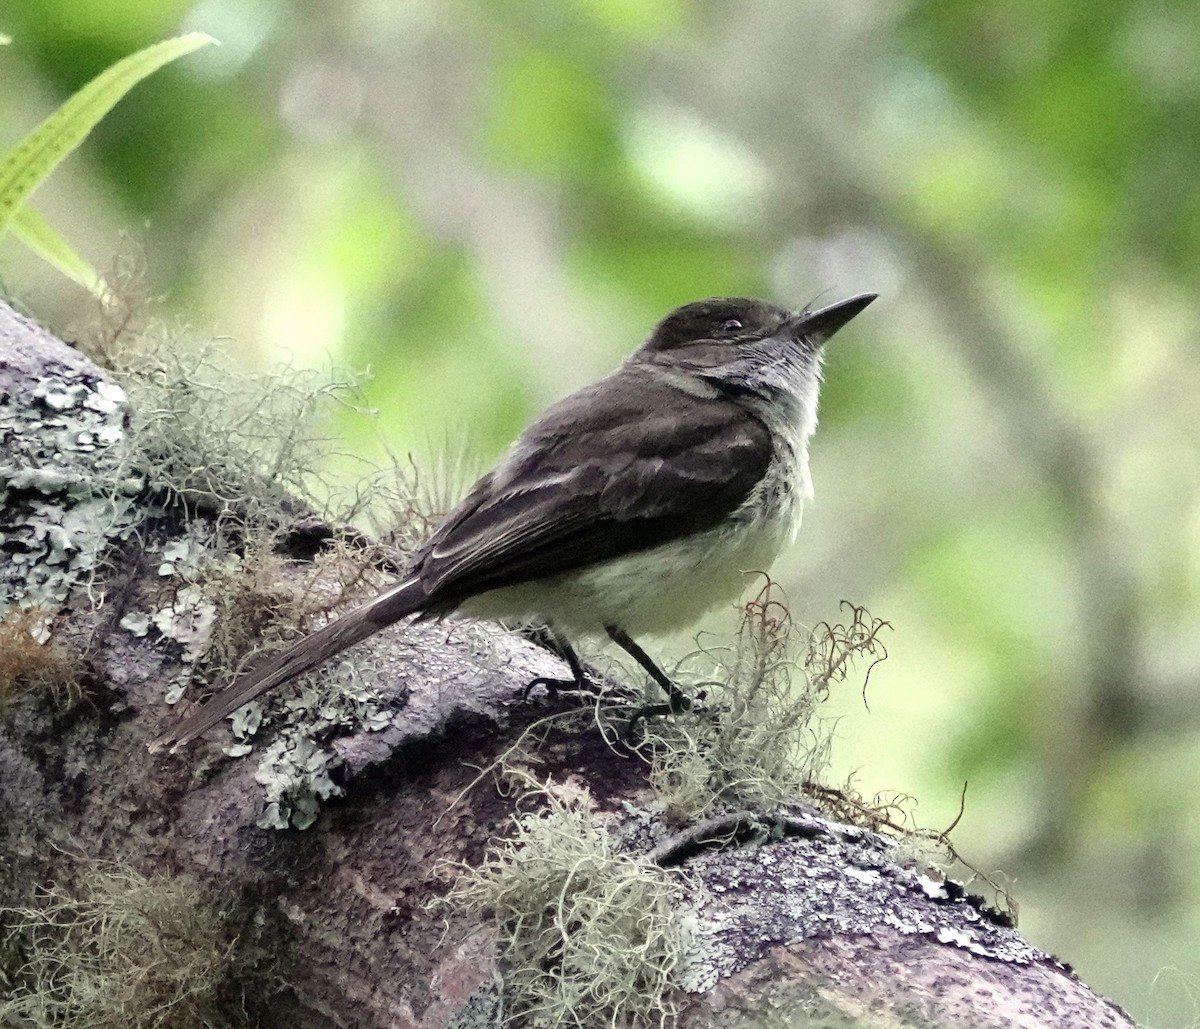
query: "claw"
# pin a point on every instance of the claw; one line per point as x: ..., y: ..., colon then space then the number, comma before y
x: 678, y: 704
x: 555, y: 686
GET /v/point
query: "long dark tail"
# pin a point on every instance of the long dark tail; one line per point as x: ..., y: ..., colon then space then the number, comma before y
x: 405, y: 599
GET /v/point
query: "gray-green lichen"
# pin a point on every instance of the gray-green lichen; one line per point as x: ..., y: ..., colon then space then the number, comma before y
x: 188, y: 614
x: 838, y: 880
x: 484, y: 1009
x: 87, y: 460
x: 296, y: 769
x: 62, y: 486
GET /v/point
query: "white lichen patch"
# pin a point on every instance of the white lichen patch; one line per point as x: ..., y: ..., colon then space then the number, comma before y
x: 963, y: 938
x: 863, y: 875
x: 135, y: 622
x: 697, y: 971
x: 182, y: 556
x: 742, y: 909
x: 188, y: 620
x: 932, y: 887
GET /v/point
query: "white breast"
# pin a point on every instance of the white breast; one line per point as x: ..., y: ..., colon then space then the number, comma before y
x: 669, y: 587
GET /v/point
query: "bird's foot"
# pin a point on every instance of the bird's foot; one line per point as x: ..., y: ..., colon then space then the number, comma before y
x: 580, y: 686
x: 677, y: 703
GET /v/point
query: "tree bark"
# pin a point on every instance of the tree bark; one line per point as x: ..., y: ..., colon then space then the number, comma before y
x: 793, y: 919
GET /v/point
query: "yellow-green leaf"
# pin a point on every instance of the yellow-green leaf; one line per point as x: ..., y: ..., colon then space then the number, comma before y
x: 37, y: 234
x: 25, y: 167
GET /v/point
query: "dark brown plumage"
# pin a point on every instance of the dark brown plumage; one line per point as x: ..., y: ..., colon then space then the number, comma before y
x: 692, y: 456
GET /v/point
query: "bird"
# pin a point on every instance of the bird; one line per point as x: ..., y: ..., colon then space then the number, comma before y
x: 633, y: 506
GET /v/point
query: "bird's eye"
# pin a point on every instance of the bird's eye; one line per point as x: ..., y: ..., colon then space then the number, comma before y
x: 731, y: 325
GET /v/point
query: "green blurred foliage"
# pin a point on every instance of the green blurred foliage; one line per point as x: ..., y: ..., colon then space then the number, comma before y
x: 490, y: 205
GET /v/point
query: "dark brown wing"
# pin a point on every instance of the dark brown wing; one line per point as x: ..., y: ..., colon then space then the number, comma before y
x: 616, y: 468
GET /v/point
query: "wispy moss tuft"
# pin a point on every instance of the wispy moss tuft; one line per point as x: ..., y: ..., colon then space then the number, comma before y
x: 119, y: 950
x: 591, y: 937
x: 226, y: 444
x: 757, y: 741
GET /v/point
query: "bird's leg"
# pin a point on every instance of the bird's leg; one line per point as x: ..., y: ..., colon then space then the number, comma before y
x: 677, y: 700
x: 579, y: 681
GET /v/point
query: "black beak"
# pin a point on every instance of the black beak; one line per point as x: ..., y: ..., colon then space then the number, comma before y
x: 819, y: 325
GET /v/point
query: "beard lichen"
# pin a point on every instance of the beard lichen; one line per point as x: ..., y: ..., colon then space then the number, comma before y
x: 224, y: 465
x: 119, y: 950
x: 591, y: 936
x: 756, y: 740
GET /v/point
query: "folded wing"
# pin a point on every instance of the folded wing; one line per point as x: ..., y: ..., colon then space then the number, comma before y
x: 590, y: 483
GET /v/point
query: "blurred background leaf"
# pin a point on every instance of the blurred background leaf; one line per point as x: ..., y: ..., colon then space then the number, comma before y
x: 43, y: 239
x: 491, y: 204
x: 29, y: 163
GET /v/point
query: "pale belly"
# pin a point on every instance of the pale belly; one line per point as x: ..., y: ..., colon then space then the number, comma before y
x: 651, y: 592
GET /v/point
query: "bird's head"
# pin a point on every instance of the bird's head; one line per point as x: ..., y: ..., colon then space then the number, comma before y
x: 752, y: 348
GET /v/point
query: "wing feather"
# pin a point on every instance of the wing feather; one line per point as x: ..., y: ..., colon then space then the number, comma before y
x: 610, y: 471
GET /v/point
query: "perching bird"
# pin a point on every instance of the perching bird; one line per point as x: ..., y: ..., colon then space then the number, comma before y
x: 632, y: 506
